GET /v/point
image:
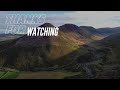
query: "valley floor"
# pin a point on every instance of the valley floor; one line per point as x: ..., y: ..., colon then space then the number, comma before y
x: 45, y: 75
x: 14, y: 74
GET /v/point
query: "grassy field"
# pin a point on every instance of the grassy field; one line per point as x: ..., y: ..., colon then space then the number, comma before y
x: 1, y: 73
x: 14, y: 74
x: 45, y: 75
x: 8, y: 75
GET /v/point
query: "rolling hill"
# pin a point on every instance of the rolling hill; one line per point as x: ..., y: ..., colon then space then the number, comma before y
x: 109, y: 31
x: 69, y: 51
x: 90, y: 32
x: 101, y: 62
x: 111, y: 66
x: 29, y: 53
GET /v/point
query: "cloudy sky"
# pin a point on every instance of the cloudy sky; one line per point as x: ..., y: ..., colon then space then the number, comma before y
x: 97, y: 19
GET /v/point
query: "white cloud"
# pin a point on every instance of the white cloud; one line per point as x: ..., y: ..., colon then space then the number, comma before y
x: 87, y: 18
x: 96, y: 19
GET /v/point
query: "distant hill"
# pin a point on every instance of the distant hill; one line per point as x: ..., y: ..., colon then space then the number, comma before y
x: 90, y: 32
x: 4, y: 37
x: 87, y: 32
x: 109, y: 31
x: 69, y: 28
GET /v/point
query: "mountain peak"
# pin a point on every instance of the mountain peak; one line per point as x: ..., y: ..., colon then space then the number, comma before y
x: 69, y: 27
x: 46, y: 25
x: 90, y: 29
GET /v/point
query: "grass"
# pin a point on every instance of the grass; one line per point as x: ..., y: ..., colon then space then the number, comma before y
x: 10, y: 75
x: 36, y: 75
x: 45, y: 75
x: 1, y: 73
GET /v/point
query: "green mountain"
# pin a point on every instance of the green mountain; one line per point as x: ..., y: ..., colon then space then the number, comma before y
x: 109, y: 31
x: 102, y: 60
x: 90, y: 32
x: 76, y: 49
x: 32, y: 53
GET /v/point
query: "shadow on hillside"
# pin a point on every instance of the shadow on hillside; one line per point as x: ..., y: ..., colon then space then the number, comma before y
x: 84, y: 54
x: 30, y: 58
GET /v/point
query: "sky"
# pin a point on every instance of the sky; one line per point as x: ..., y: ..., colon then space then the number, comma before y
x: 97, y: 19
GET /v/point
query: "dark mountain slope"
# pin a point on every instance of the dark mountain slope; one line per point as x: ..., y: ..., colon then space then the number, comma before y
x: 102, y: 61
x: 109, y: 31
x: 31, y: 53
x: 90, y: 32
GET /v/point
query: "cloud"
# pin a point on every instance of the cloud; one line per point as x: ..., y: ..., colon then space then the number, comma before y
x: 81, y: 18
x: 87, y: 18
x: 96, y: 19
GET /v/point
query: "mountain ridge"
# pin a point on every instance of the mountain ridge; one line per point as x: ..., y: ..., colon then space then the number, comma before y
x: 30, y: 53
